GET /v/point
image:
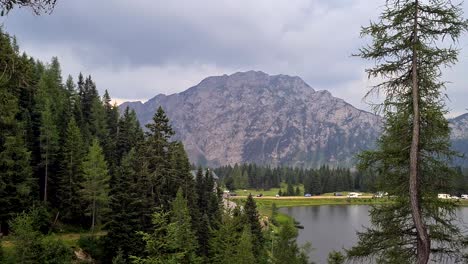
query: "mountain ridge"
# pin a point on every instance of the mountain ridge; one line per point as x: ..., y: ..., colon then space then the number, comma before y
x: 253, y: 117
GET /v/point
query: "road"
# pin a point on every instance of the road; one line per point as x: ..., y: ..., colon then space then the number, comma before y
x: 301, y: 197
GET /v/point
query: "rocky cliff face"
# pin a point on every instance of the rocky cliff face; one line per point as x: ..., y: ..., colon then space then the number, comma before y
x: 257, y: 118
x: 459, y: 126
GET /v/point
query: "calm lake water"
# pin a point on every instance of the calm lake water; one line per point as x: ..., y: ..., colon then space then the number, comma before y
x: 333, y: 227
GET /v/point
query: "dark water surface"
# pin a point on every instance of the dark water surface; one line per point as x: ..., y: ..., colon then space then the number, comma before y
x: 333, y: 227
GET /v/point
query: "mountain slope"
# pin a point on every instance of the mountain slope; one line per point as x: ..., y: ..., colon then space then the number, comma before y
x: 263, y: 119
x: 459, y: 126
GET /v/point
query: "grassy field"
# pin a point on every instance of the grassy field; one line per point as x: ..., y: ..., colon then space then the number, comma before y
x: 71, y: 239
x: 271, y: 192
x: 274, y: 191
x: 315, y: 201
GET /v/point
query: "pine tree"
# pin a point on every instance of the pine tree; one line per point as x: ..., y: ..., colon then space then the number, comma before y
x: 286, y: 249
x: 244, y: 249
x: 49, y: 145
x: 17, y: 187
x: 181, y: 236
x: 129, y: 134
x: 112, y: 121
x: 156, y: 153
x: 98, y: 120
x: 71, y: 173
x: 16, y: 181
x: 413, y: 151
x: 96, y: 183
x: 253, y: 221
x: 124, y: 219
x: 172, y: 240
x: 224, y: 241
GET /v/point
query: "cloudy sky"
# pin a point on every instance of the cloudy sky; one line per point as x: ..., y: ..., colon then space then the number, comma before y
x: 139, y: 48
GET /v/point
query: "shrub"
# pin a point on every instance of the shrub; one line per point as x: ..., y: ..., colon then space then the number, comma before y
x: 55, y: 251
x: 92, y: 245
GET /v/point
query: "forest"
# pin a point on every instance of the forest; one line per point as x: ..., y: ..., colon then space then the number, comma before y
x: 316, y: 181
x: 70, y: 162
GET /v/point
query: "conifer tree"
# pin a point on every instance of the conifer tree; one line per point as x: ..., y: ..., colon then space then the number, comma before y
x: 124, y: 219
x: 244, y: 249
x: 224, y: 241
x: 156, y: 153
x: 71, y: 173
x: 98, y: 121
x: 112, y: 120
x: 49, y: 145
x: 16, y: 181
x: 181, y: 236
x: 129, y: 133
x: 95, y: 185
x: 213, y: 197
x: 172, y: 240
x: 413, y: 151
x: 253, y: 221
x: 286, y: 248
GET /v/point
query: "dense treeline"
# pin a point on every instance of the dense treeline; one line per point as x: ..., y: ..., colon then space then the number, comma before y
x: 68, y: 160
x: 315, y: 181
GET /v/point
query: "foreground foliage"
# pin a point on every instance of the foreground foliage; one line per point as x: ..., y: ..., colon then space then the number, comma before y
x: 414, y: 151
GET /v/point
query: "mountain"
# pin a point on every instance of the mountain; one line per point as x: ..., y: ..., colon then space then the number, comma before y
x: 459, y: 137
x: 252, y: 117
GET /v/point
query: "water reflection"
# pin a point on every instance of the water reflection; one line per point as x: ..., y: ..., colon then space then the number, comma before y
x: 333, y: 227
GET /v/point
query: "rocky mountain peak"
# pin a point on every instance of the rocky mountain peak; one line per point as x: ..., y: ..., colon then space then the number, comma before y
x: 265, y: 119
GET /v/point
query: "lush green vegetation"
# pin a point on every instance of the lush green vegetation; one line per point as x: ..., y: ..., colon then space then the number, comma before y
x: 287, y: 180
x: 413, y: 154
x: 70, y: 162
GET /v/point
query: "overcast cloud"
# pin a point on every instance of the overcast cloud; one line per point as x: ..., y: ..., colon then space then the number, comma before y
x: 139, y: 48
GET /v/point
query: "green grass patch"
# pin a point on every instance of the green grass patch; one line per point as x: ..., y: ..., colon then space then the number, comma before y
x: 267, y: 202
x: 270, y: 192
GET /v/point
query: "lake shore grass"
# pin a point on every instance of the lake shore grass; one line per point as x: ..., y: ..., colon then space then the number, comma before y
x: 313, y: 201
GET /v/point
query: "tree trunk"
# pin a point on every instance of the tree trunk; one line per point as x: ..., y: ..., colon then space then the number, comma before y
x: 423, y: 242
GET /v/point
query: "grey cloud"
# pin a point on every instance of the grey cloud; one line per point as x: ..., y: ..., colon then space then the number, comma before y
x: 148, y: 40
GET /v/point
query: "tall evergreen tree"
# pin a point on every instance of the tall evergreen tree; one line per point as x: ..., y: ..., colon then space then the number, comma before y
x: 129, y: 133
x: 124, y: 219
x: 16, y: 181
x: 71, y: 174
x: 414, y: 149
x: 244, y: 249
x: 286, y: 249
x: 49, y: 145
x: 172, y: 240
x: 253, y: 221
x: 95, y: 186
x: 224, y: 241
x: 156, y: 153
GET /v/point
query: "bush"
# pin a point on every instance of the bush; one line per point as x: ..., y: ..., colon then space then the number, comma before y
x: 92, y: 245
x: 26, y: 238
x: 55, y: 251
x: 41, y: 218
x: 31, y: 246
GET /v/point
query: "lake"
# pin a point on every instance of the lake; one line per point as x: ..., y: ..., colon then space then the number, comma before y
x: 333, y: 227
